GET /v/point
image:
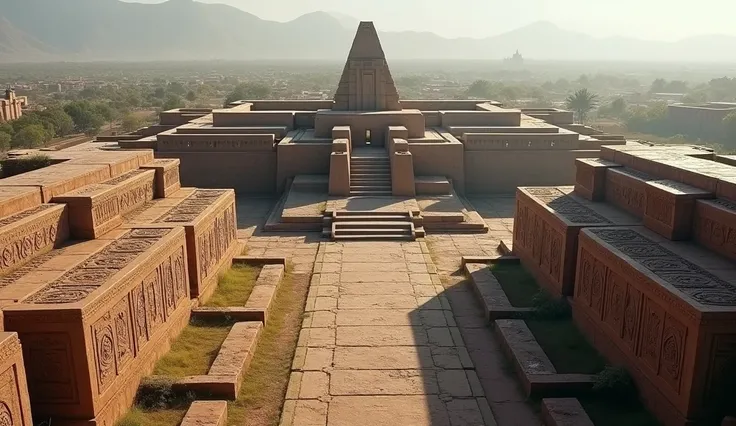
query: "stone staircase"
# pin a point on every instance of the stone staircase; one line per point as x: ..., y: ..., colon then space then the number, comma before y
x: 372, y: 225
x: 370, y: 175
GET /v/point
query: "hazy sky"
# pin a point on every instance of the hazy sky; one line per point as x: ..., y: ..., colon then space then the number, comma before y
x: 649, y: 19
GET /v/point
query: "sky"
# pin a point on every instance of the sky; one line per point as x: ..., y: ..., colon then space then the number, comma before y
x: 646, y: 19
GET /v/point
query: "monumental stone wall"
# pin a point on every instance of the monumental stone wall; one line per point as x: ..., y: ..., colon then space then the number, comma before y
x: 15, y: 408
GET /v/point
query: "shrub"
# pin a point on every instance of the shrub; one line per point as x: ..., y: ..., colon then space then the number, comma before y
x: 16, y: 166
x: 157, y: 393
x: 614, y: 382
x: 549, y: 307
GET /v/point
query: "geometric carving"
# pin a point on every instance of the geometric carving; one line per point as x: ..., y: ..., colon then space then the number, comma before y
x: 632, y: 317
x: 651, y: 334
x: 670, y: 206
x: 696, y: 282
x: 30, y: 233
x: 192, y: 206
x: 48, y: 360
x: 715, y: 226
x: 673, y: 348
x: 597, y: 287
x: 613, y: 314
x: 104, y: 352
x: 625, y: 188
x: 83, y: 279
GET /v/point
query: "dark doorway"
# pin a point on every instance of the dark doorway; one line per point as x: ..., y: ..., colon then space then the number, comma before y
x: 367, y: 137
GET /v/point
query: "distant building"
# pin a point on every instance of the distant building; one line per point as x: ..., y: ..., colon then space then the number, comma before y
x: 11, y: 106
x: 516, y: 59
x: 701, y: 120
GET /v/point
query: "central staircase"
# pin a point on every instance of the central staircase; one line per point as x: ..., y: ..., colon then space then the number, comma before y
x: 372, y: 225
x: 370, y: 174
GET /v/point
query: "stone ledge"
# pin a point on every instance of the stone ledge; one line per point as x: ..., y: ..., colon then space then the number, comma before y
x: 495, y: 303
x: 494, y: 260
x: 564, y: 412
x: 259, y: 260
x: 537, y: 373
x: 259, y: 302
x: 226, y: 373
x: 206, y: 413
x: 506, y: 247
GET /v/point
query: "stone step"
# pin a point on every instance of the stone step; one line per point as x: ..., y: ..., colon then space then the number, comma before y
x: 371, y: 193
x: 369, y: 159
x: 370, y: 187
x: 342, y: 213
x: 369, y: 218
x: 372, y: 231
x: 406, y: 237
x: 373, y: 224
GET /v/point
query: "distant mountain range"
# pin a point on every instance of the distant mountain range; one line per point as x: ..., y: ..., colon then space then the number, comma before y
x: 111, y: 30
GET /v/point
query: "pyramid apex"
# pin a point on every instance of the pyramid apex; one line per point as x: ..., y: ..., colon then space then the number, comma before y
x: 366, y: 44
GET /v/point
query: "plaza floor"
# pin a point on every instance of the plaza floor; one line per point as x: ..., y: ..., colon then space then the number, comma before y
x: 392, y: 333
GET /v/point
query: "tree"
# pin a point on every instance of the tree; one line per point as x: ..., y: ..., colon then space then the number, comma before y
x: 248, y: 91
x: 173, y: 102
x: 131, y: 122
x: 86, y: 117
x: 61, y: 122
x: 32, y: 136
x: 480, y: 89
x: 5, y: 140
x: 729, y: 123
x: 191, y: 96
x: 658, y: 86
x: 582, y: 102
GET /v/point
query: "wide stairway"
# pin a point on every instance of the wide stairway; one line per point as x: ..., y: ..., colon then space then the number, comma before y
x: 372, y: 225
x: 370, y: 172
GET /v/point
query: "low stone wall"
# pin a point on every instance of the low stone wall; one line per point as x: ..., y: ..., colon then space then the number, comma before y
x: 15, y: 407
x: 440, y: 159
x: 301, y: 158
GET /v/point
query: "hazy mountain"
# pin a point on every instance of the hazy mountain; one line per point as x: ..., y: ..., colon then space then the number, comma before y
x: 98, y: 30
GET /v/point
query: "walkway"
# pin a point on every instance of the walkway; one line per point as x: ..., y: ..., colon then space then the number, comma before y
x: 380, y: 345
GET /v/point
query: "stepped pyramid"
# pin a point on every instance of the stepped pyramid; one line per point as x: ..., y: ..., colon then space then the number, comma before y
x: 366, y: 83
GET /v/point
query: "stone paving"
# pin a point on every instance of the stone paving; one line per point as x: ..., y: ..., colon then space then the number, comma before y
x: 392, y: 334
x: 380, y: 342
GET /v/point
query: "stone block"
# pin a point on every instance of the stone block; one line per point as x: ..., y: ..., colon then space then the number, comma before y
x: 15, y: 407
x: 670, y: 207
x: 590, y: 178
x: 625, y: 188
x: 495, y: 303
x: 167, y: 175
x: 16, y: 199
x: 31, y: 233
x: 564, y: 412
x: 206, y: 413
x: 226, y: 373
x: 208, y: 217
x: 59, y: 178
x: 546, y: 227
x: 91, y: 334
x: 119, y: 162
x: 99, y: 208
x: 666, y: 311
x: 264, y: 292
x: 715, y: 226
x: 402, y: 174
x: 341, y: 132
x: 339, y: 183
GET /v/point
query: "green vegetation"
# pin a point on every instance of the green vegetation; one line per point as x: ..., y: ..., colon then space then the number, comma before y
x: 519, y: 286
x: 566, y: 347
x: 193, y: 352
x: 248, y: 91
x: 16, y: 166
x: 550, y: 307
x: 234, y: 286
x: 582, y: 102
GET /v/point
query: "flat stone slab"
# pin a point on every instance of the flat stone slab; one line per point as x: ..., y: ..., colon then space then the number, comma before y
x: 259, y: 260
x: 206, y: 413
x: 225, y: 376
x: 535, y: 370
x: 372, y: 204
x: 305, y: 207
x: 564, y: 412
x: 491, y: 295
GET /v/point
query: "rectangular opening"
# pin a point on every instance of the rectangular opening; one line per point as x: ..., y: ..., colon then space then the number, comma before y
x: 367, y: 137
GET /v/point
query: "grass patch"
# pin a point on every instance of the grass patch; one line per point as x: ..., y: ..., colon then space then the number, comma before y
x: 519, y: 285
x: 234, y: 287
x: 140, y: 417
x: 193, y: 352
x: 605, y: 411
x: 262, y: 395
x: 566, y: 347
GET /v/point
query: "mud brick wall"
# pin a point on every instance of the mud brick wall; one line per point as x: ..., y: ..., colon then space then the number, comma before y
x: 90, y: 335
x: 670, y: 321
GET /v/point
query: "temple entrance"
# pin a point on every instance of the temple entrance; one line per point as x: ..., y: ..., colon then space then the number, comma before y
x: 368, y: 137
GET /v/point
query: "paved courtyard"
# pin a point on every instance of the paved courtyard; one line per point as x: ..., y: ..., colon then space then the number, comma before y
x: 392, y: 334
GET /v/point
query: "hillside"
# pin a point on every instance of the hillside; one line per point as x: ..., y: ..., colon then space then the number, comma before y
x: 110, y: 30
